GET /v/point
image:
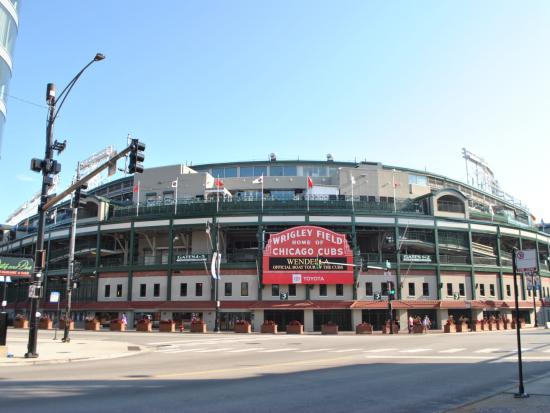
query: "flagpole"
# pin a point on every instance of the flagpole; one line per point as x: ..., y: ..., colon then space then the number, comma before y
x: 394, y: 200
x: 218, y: 195
x: 307, y: 186
x: 262, y: 194
x: 137, y: 209
x: 176, y: 203
x: 352, y: 181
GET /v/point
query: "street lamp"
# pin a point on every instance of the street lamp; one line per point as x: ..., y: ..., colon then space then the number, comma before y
x: 47, y: 167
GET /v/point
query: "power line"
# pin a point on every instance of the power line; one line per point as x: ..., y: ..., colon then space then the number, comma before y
x: 28, y: 102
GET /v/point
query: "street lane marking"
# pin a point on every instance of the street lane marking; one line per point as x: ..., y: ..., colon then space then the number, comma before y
x: 314, y: 350
x: 277, y: 350
x: 487, y: 350
x: 380, y: 350
x: 242, y: 350
x: 415, y: 350
x: 212, y: 350
x: 347, y: 350
x: 452, y: 350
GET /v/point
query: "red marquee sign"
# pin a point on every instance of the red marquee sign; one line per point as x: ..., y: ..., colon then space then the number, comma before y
x: 307, y: 255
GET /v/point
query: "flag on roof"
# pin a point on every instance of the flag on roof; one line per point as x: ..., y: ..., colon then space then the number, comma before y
x: 218, y: 183
x: 309, y: 182
x: 259, y: 180
x: 174, y: 183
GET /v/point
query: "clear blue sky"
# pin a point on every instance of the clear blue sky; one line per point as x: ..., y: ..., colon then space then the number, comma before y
x: 403, y: 83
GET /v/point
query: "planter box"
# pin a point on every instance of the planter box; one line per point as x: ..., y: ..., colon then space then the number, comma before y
x: 419, y: 329
x: 462, y: 328
x: 62, y: 325
x: 329, y: 329
x: 386, y: 329
x: 117, y: 326
x: 92, y: 325
x: 144, y: 327
x: 197, y: 328
x: 21, y: 324
x: 269, y: 329
x: 492, y: 325
x: 449, y: 328
x: 477, y: 327
x: 242, y: 328
x: 485, y: 326
x: 167, y: 327
x: 45, y: 324
x: 290, y: 329
x: 363, y: 328
x: 513, y: 324
x: 506, y: 324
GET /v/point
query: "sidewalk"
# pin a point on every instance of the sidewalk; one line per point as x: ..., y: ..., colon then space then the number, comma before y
x: 538, y: 401
x: 55, y: 351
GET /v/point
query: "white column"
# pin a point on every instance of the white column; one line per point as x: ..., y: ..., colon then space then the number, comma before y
x: 308, y: 321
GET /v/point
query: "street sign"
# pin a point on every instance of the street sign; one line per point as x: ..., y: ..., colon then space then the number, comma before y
x: 526, y: 260
x: 387, y: 274
x: 283, y: 296
x: 5, y: 279
x: 54, y: 296
x: 456, y: 296
x: 377, y: 296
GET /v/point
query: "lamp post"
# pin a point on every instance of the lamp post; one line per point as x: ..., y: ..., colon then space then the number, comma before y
x: 47, y: 167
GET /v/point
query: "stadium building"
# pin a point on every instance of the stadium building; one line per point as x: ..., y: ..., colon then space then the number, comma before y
x: 313, y: 241
x: 9, y: 22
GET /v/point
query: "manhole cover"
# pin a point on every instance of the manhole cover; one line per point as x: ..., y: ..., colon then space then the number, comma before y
x: 134, y: 348
x: 137, y: 376
x: 252, y: 343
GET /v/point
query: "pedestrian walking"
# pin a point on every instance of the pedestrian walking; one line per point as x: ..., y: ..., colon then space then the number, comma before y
x: 410, y: 324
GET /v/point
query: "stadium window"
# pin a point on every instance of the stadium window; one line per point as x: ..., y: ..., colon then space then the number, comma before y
x: 449, y: 289
x: 183, y: 289
x: 418, y: 180
x: 275, y: 290
x: 228, y: 289
x: 119, y: 290
x: 482, y: 289
x: 411, y: 289
x: 461, y: 289
x: 339, y: 290
x: 384, y: 288
x: 276, y: 171
x: 508, y: 290
x: 244, y: 289
x: 156, y: 290
x: 425, y: 289
x: 492, y: 290
x: 230, y: 172
x: 198, y: 289
x: 322, y: 290
x: 142, y: 290
x: 368, y: 288
x: 292, y: 290
x: 107, y: 290
x: 246, y: 171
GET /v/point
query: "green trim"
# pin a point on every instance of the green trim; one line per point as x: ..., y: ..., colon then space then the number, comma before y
x: 397, y: 259
x: 356, y: 253
x: 499, y: 264
x: 131, y: 262
x: 473, y: 267
x: 170, y: 260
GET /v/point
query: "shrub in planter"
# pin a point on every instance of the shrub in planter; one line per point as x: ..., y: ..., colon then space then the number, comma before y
x: 45, y: 323
x: 167, y: 326
x: 294, y: 327
x: 242, y: 326
x: 450, y: 326
x: 363, y: 328
x: 117, y: 325
x: 386, y: 328
x: 144, y: 325
x: 269, y: 327
x: 20, y: 321
x: 92, y: 323
x: 198, y: 326
x: 477, y: 325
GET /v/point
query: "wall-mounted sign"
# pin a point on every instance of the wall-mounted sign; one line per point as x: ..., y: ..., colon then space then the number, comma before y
x: 54, y: 296
x: 191, y: 258
x: 307, y: 255
x: 416, y: 258
x: 16, y: 266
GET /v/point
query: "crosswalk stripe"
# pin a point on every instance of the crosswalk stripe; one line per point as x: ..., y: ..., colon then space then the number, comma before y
x: 277, y: 350
x: 380, y: 350
x: 452, y: 350
x: 212, y: 350
x: 488, y: 350
x: 316, y: 350
x: 344, y: 350
x: 415, y: 350
x: 178, y: 350
x: 242, y: 350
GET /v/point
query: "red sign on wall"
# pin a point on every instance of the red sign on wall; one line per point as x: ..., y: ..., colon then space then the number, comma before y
x: 307, y: 255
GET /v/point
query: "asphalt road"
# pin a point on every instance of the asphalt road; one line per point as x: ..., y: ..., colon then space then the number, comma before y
x: 260, y: 373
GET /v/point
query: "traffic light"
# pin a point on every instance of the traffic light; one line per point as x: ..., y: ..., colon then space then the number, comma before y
x: 391, y: 290
x: 136, y: 157
x: 77, y: 272
x: 365, y: 263
x: 79, y: 197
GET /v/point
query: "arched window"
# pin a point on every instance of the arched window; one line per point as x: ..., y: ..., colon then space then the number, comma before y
x: 449, y: 203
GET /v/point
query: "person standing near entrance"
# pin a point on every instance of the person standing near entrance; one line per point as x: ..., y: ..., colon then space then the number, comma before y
x: 410, y: 324
x: 426, y: 323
